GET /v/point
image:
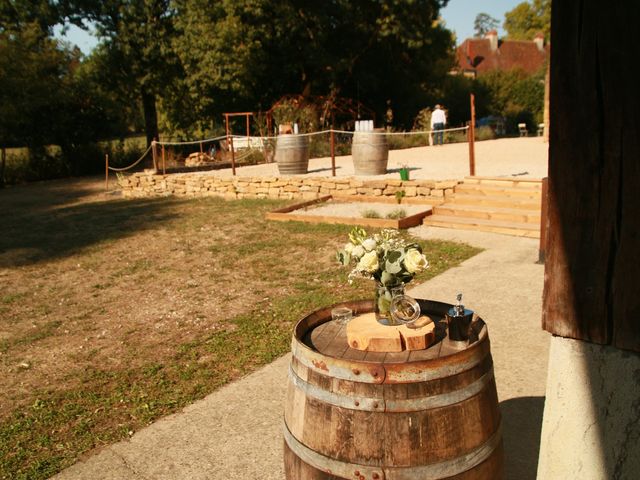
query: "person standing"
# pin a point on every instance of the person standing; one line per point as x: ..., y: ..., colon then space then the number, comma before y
x: 438, y: 121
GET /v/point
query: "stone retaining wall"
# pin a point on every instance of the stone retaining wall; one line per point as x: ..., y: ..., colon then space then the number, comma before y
x: 198, y: 184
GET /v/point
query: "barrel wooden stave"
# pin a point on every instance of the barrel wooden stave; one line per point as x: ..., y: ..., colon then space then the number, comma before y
x: 370, y: 153
x: 400, y: 442
x: 292, y: 154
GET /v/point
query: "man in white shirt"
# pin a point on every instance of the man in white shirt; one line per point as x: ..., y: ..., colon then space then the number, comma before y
x: 438, y: 121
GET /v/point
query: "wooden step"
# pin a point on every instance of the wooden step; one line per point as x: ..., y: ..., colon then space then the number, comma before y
x: 497, y: 190
x: 505, y: 181
x: 509, y: 228
x: 489, y: 213
x: 495, y: 201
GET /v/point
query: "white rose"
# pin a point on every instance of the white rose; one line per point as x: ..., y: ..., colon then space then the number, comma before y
x: 369, y: 262
x: 349, y: 247
x: 357, y: 251
x: 369, y: 244
x: 414, y: 261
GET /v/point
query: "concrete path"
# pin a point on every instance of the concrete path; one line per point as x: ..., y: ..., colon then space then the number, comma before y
x: 235, y: 433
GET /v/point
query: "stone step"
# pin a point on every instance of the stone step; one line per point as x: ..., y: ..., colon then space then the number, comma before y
x: 509, y: 228
x: 517, y: 215
x: 495, y: 201
x: 505, y: 181
x: 497, y: 190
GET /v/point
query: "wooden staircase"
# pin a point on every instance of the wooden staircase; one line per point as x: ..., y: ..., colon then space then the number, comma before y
x: 492, y: 204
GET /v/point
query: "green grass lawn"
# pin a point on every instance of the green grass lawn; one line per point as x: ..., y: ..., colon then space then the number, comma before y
x: 115, y: 313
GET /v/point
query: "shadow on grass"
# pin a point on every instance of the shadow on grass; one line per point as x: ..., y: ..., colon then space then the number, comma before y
x: 33, y: 232
x: 521, y: 428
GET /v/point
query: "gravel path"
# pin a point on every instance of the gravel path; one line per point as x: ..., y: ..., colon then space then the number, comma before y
x: 524, y: 157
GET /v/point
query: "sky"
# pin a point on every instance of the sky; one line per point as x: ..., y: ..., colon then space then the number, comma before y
x: 458, y: 16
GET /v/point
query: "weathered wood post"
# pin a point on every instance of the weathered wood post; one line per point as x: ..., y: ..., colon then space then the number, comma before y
x: 333, y: 154
x: 472, y: 136
x: 544, y: 198
x: 154, y: 154
x: 164, y: 169
x: 591, y: 298
x: 2, y: 165
x: 106, y: 171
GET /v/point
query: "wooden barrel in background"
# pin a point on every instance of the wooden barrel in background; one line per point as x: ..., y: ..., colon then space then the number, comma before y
x: 427, y: 414
x: 292, y: 154
x: 370, y: 152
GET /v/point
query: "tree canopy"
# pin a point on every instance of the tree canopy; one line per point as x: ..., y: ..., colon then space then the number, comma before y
x: 528, y: 19
x: 484, y: 23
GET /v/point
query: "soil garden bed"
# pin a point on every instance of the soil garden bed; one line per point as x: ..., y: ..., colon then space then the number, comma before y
x: 332, y: 210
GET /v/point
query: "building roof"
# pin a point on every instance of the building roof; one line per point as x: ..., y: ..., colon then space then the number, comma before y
x: 476, y: 55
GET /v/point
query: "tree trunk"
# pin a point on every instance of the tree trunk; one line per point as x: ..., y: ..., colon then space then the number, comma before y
x: 150, y: 115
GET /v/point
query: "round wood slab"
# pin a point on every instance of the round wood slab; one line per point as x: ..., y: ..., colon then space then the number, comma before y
x: 364, y: 332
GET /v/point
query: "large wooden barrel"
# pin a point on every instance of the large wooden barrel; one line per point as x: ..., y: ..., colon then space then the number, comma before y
x: 370, y: 153
x: 292, y: 154
x: 427, y: 414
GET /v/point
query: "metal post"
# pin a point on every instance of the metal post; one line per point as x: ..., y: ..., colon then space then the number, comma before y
x: 472, y: 136
x: 333, y: 154
x: 248, y: 132
x: 106, y: 171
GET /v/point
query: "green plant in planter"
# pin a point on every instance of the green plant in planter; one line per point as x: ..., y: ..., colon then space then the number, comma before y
x: 400, y: 195
x: 397, y: 214
x: 370, y: 213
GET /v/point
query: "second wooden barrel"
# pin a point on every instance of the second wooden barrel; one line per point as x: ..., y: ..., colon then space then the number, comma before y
x: 429, y: 414
x: 292, y: 154
x: 370, y: 152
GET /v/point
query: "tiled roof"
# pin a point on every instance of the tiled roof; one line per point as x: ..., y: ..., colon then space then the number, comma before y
x: 475, y: 54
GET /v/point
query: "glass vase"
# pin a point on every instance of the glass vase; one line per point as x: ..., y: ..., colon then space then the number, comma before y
x: 382, y: 302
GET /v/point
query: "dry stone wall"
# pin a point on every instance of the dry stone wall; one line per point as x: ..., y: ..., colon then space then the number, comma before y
x: 199, y: 184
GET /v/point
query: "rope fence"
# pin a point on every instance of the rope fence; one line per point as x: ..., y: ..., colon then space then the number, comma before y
x: 238, y: 148
x: 312, y: 134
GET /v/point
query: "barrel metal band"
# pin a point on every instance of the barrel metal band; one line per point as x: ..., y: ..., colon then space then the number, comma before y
x: 445, y: 469
x: 337, y: 368
x: 422, y: 373
x: 369, y: 404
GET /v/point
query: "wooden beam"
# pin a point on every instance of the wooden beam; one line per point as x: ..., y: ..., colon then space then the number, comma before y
x: 592, y: 275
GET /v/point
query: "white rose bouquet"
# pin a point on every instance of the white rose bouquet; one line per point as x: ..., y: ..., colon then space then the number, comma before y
x: 384, y: 257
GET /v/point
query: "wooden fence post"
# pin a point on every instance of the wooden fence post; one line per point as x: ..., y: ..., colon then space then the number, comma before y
x: 2, y: 165
x: 164, y: 170
x: 472, y: 136
x: 106, y: 171
x: 333, y: 154
x: 154, y: 153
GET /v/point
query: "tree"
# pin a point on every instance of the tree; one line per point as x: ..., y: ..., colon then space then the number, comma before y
x: 245, y: 55
x: 515, y: 95
x: 484, y: 23
x: 528, y: 19
x: 138, y: 36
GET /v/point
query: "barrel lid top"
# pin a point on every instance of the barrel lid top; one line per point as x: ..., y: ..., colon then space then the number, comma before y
x: 319, y: 334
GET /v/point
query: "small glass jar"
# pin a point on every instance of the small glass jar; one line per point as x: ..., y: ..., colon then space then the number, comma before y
x: 405, y: 309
